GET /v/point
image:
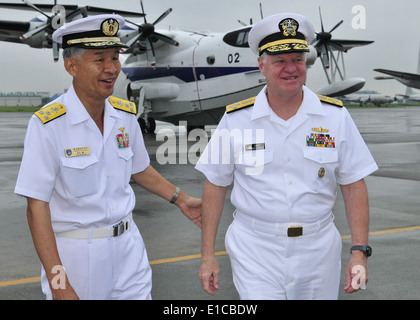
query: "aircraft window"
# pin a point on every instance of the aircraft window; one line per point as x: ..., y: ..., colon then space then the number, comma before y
x: 237, y: 38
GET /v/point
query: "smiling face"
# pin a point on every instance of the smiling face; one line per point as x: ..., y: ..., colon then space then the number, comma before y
x: 94, y: 73
x: 285, y: 73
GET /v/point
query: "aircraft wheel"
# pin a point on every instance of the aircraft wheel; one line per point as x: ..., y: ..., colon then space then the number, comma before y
x: 151, y: 125
x: 142, y: 124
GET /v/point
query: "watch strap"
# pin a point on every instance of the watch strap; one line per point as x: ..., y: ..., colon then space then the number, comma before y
x: 364, y: 248
x: 176, y: 195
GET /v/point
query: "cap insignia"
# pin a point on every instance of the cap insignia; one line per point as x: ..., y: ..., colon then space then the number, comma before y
x: 110, y: 27
x: 289, y: 27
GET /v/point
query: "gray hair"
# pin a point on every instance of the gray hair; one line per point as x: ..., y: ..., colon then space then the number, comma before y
x: 73, y: 52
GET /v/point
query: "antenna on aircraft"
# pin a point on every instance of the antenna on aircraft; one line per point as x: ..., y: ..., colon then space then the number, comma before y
x: 250, y: 20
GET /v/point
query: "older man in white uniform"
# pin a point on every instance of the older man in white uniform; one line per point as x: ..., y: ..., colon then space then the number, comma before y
x: 285, y: 151
x: 79, y: 156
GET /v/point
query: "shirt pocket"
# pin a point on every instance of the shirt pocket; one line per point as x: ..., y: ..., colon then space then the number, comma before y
x: 80, y: 175
x: 252, y: 163
x: 320, y: 167
x: 125, y: 159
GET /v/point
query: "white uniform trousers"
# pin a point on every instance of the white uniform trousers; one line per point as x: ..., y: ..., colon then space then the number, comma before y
x: 106, y: 268
x: 269, y: 266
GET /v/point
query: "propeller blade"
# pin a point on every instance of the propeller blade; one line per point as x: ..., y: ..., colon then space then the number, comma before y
x: 132, y: 23
x: 32, y: 32
x: 142, y: 10
x: 166, y: 39
x: 316, y: 43
x: 320, y: 16
x: 35, y: 8
x: 163, y: 16
x: 55, y: 51
x: 242, y: 23
x: 132, y: 41
x: 336, y: 26
x: 325, y: 57
x: 150, y: 48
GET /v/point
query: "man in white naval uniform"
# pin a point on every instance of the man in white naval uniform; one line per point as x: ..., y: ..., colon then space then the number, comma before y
x: 80, y: 153
x: 285, y: 152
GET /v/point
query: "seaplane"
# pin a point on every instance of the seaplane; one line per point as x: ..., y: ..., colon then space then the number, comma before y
x: 176, y: 75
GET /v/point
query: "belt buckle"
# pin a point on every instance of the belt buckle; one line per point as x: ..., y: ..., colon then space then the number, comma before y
x: 294, y: 231
x: 118, y: 229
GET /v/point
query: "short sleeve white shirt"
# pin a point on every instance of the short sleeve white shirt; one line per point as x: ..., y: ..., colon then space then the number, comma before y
x: 286, y: 170
x: 84, y: 191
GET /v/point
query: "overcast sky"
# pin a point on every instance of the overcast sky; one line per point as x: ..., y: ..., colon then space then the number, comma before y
x: 393, y: 25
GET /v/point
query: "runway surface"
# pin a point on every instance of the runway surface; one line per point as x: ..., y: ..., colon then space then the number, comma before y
x: 173, y: 242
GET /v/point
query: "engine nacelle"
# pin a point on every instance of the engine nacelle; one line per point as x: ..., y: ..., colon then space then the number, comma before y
x: 122, y: 88
x: 156, y: 90
x: 311, y: 56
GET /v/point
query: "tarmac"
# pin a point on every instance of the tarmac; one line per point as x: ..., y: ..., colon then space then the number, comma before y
x: 173, y: 242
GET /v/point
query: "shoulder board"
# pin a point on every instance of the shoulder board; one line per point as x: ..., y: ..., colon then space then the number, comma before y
x: 240, y: 105
x: 51, y: 112
x: 124, y: 105
x: 329, y: 100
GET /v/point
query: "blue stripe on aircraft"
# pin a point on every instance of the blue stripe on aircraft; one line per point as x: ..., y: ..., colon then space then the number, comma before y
x: 185, y: 74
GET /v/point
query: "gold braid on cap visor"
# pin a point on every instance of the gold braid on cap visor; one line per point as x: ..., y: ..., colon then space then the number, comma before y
x: 94, y: 41
x: 285, y: 45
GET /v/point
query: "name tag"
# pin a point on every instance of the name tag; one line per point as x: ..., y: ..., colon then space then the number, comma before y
x: 77, y: 152
x: 255, y: 146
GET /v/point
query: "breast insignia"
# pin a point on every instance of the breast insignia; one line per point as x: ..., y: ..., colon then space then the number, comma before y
x: 124, y: 105
x: 240, y: 105
x: 51, y: 112
x: 329, y: 100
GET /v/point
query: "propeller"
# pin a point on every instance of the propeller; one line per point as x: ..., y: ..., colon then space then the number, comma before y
x: 48, y: 24
x: 146, y: 32
x: 250, y: 20
x: 324, y: 40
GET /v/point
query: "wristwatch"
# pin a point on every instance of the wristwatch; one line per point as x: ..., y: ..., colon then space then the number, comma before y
x: 365, y: 249
x: 176, y: 195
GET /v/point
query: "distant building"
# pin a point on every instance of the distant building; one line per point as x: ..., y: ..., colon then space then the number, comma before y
x: 23, y: 99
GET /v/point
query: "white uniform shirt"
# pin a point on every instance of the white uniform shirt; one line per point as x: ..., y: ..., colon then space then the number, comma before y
x: 278, y: 175
x: 85, y: 191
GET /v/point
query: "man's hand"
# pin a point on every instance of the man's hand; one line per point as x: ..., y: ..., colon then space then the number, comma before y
x: 356, y: 272
x: 209, y: 274
x: 190, y: 207
x: 65, y: 294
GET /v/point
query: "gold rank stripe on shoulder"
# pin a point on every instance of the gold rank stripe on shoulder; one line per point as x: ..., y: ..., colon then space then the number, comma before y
x: 124, y: 105
x: 51, y: 112
x: 330, y: 100
x: 240, y: 105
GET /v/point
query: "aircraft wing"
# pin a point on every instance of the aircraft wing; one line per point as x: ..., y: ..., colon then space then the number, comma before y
x: 400, y: 75
x: 348, y: 44
x: 91, y: 10
x: 11, y: 30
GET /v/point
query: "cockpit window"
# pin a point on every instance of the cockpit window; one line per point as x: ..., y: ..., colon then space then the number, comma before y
x: 238, y: 38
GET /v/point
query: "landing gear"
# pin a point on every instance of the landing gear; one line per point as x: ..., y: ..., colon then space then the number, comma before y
x: 147, y: 127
